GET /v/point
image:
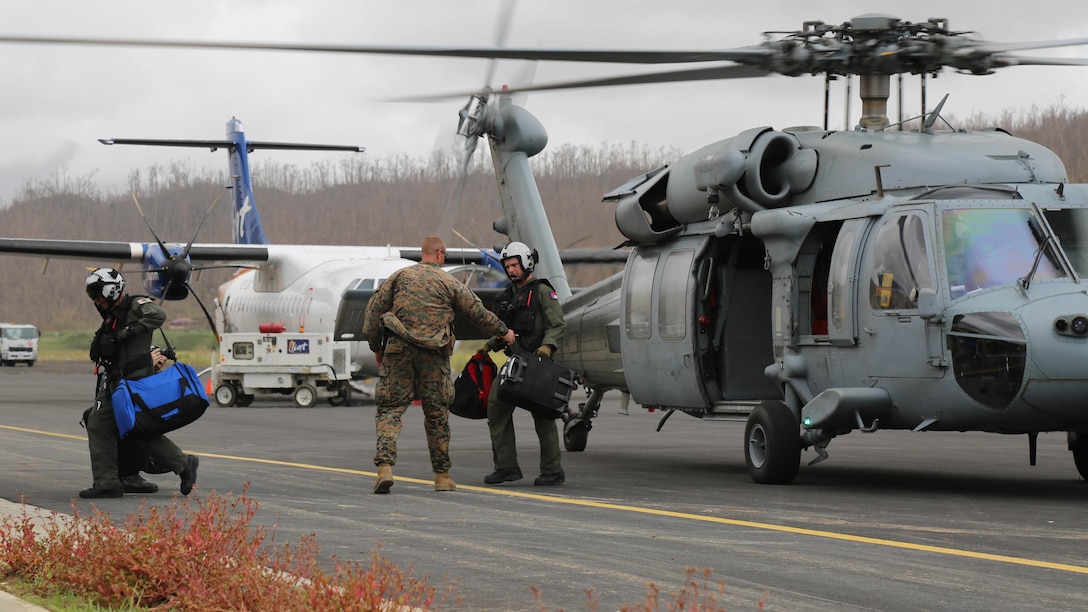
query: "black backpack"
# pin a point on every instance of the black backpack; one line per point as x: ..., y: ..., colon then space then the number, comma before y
x: 472, y: 387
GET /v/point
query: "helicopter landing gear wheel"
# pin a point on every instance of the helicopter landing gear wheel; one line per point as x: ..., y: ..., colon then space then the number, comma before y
x: 1079, y: 446
x: 226, y: 395
x: 576, y: 434
x: 772, y: 448
x: 305, y: 396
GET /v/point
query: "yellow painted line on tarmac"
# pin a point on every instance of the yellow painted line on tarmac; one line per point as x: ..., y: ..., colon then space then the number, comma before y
x: 831, y: 535
x: 44, y: 433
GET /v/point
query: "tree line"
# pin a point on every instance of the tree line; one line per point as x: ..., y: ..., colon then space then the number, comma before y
x: 359, y: 200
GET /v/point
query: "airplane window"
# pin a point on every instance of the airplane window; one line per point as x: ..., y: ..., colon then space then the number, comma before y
x: 672, y: 304
x: 988, y: 247
x: 900, y: 263
x: 640, y: 281
x: 838, y: 288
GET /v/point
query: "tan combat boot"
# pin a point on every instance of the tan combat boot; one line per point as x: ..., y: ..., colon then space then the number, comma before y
x: 384, y: 481
x: 443, y: 482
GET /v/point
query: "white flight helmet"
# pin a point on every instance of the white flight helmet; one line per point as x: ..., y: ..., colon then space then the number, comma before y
x: 106, y: 283
x: 526, y: 256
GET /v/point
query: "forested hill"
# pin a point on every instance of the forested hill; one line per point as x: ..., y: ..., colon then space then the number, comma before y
x: 360, y: 201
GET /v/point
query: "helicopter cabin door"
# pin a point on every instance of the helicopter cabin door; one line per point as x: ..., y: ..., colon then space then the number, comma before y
x: 659, y: 343
x: 896, y: 267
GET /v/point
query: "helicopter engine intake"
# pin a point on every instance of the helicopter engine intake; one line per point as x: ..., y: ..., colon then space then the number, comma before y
x: 755, y: 170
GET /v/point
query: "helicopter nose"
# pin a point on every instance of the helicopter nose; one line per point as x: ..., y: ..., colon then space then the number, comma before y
x: 1057, y: 330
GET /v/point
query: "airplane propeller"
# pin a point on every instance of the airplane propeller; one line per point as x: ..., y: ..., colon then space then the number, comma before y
x: 174, y: 267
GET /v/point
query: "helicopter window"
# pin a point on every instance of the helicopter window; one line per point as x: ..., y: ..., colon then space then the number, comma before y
x: 900, y: 265
x: 1070, y: 227
x: 971, y: 192
x: 838, y: 285
x: 988, y: 247
x: 674, y: 287
x: 639, y: 283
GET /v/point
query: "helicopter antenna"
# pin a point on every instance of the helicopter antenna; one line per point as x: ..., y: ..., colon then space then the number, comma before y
x: 924, y: 85
x: 931, y: 118
x: 899, y: 99
x: 846, y: 113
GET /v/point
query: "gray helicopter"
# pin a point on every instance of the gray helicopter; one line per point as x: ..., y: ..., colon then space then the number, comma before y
x: 814, y: 282
x: 817, y: 282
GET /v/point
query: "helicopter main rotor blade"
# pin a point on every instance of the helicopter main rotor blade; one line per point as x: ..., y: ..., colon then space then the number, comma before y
x: 988, y: 48
x: 695, y: 74
x: 619, y: 56
x: 1048, y: 61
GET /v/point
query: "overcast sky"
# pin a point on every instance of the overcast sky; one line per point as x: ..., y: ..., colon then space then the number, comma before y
x: 57, y: 101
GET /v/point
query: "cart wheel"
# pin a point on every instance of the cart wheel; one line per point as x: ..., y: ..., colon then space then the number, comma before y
x: 305, y: 396
x: 225, y: 395
x: 244, y: 399
x: 342, y: 397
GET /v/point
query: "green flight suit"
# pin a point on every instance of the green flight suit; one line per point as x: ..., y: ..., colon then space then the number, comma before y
x: 534, y: 313
x: 132, y: 321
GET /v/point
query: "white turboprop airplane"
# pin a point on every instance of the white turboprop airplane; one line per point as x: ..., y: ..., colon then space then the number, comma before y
x: 286, y: 287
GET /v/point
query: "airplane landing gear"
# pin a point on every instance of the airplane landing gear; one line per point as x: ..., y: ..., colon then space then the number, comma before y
x: 772, y: 447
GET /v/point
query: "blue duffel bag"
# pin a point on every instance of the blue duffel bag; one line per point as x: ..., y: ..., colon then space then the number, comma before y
x: 159, y: 403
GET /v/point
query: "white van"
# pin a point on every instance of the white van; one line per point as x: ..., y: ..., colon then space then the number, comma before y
x: 18, y: 344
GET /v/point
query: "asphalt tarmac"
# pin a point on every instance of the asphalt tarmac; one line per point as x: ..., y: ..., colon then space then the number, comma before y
x: 892, y: 521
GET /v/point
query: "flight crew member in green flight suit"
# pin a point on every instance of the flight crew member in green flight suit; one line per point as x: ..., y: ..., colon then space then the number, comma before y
x: 409, y: 325
x: 531, y: 307
x: 122, y: 349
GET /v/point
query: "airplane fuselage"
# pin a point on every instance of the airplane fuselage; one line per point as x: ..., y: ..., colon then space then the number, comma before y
x: 301, y: 292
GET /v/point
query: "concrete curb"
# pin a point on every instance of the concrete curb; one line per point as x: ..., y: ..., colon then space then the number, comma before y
x: 9, y: 602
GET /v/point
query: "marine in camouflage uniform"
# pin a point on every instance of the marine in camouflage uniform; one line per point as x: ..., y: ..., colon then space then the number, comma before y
x: 122, y: 349
x: 409, y: 325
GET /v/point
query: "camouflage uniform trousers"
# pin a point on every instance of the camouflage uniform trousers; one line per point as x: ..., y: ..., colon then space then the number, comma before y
x: 407, y: 372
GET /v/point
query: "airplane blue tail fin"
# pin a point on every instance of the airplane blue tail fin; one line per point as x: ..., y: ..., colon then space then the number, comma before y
x: 245, y: 222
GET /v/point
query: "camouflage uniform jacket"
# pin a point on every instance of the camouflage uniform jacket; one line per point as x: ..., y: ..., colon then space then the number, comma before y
x: 418, y: 303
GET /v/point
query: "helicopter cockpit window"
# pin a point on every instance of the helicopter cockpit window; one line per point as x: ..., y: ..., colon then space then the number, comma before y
x: 672, y: 303
x: 971, y: 192
x: 900, y: 264
x: 639, y: 287
x: 989, y: 247
x: 1070, y: 227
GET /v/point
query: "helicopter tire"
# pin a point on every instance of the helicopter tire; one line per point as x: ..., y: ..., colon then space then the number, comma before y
x: 772, y: 449
x: 243, y: 400
x: 226, y: 395
x: 1079, y: 447
x: 305, y: 396
x: 576, y: 435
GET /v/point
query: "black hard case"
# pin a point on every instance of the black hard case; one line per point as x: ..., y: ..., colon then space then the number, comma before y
x: 536, y: 384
